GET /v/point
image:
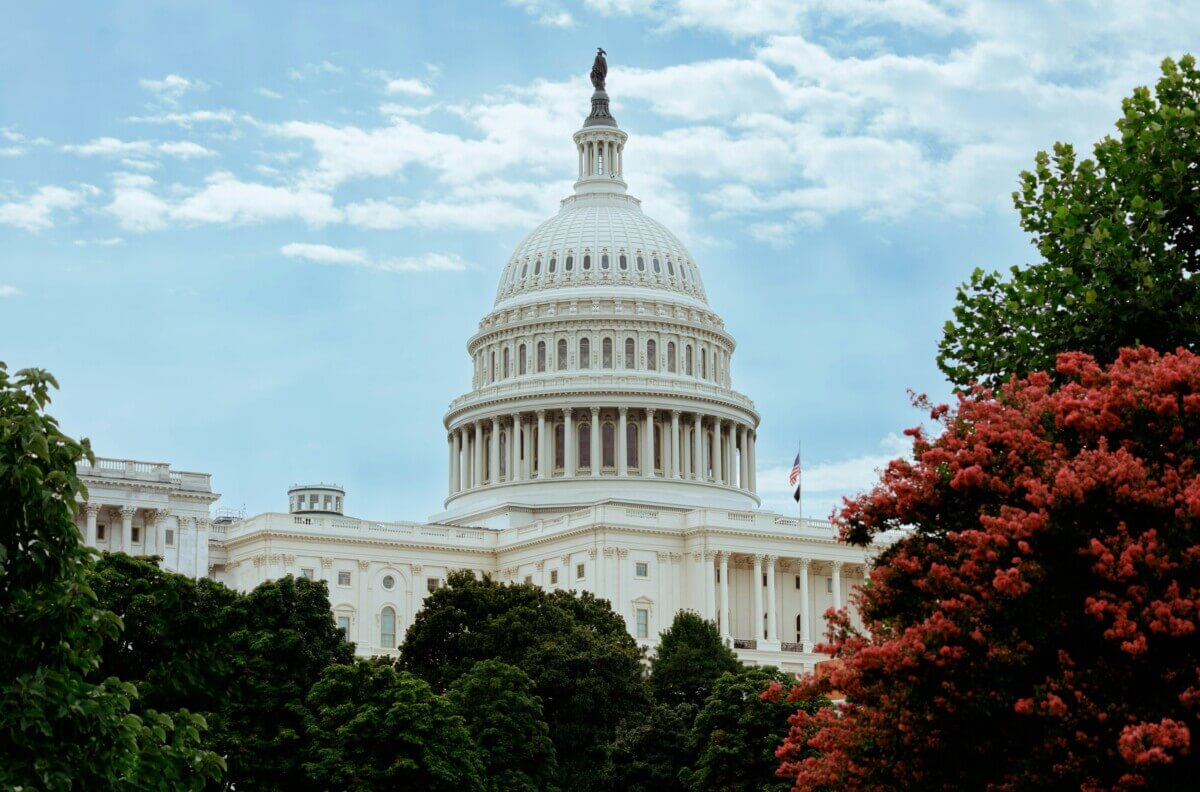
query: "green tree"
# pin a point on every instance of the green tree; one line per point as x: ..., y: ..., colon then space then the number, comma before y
x: 1119, y: 242
x: 58, y: 728
x: 282, y: 637
x: 585, y: 667
x: 371, y: 727
x: 504, y: 718
x: 690, y: 657
x: 174, y: 646
x: 737, y: 732
x: 649, y: 751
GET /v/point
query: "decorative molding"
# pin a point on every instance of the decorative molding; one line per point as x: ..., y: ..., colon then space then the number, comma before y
x: 622, y: 552
x: 609, y: 552
x: 540, y: 565
x: 326, y: 562
x: 288, y: 559
x: 566, y: 560
x: 364, y: 565
x: 128, y: 511
x: 416, y: 568
x: 592, y: 553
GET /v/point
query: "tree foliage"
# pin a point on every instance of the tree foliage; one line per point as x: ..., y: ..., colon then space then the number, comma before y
x: 650, y: 750
x: 504, y: 719
x: 1037, y: 627
x: 1119, y: 241
x: 690, y: 657
x: 736, y: 733
x: 585, y: 667
x: 58, y: 728
x: 372, y: 727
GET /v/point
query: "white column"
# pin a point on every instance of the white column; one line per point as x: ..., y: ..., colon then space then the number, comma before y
x: 595, y: 459
x: 648, y: 446
x: 477, y: 479
x: 805, y: 616
x: 837, y: 584
x: 515, y: 472
x: 756, y: 619
x: 676, y: 450
x: 527, y: 471
x: 568, y: 443
x: 543, y: 467
x: 710, y: 595
x: 450, y: 484
x: 697, y: 448
x: 716, y: 452
x: 772, y: 620
x: 494, y: 453
x: 622, y: 450
x: 744, y: 439
x: 726, y: 627
x: 150, y: 543
x: 731, y: 455
x: 89, y: 535
x: 127, y: 513
x: 460, y: 451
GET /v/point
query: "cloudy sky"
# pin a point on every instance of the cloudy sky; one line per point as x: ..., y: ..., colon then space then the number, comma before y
x: 253, y: 238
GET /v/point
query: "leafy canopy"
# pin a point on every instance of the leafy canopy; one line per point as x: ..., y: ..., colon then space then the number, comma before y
x: 689, y: 659
x: 1119, y: 241
x: 1038, y: 627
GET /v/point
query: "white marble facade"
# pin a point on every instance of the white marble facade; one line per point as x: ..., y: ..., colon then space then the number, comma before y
x: 601, y: 448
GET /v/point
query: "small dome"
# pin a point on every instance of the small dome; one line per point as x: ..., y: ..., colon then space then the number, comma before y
x: 600, y: 240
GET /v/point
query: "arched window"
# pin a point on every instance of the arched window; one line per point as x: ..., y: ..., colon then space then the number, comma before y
x: 506, y: 362
x: 541, y: 356
x: 537, y: 267
x: 387, y: 628
x: 587, y: 262
x: 606, y: 353
x: 631, y: 445
x: 623, y: 262
x: 604, y: 261
x: 521, y: 358
x: 704, y: 363
x: 553, y: 264
x: 524, y: 269
x: 683, y: 269
x: 670, y: 266
x: 585, y: 353
x: 657, y: 266
x: 584, y: 444
x: 671, y: 357
x: 608, y: 454
x: 641, y: 264
x: 630, y: 354
x: 687, y: 360
x: 562, y: 354
x: 651, y: 355
x: 560, y: 447
x: 570, y: 265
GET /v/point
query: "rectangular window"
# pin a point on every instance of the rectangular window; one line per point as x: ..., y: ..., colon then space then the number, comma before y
x: 432, y: 584
x: 643, y: 623
x: 641, y: 569
x: 579, y: 570
x: 170, y: 537
x: 553, y: 577
x: 343, y: 623
x: 829, y: 585
x: 307, y: 573
x: 764, y: 579
x: 343, y: 578
x: 100, y: 532
x: 797, y: 582
x: 137, y: 534
x: 529, y: 580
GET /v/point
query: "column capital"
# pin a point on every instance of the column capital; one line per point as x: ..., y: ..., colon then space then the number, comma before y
x: 92, y: 509
x: 595, y: 412
x: 567, y: 411
x: 725, y: 556
x: 675, y: 413
x: 804, y: 563
x: 758, y: 558
x: 772, y: 559
x: 151, y: 516
x: 623, y: 410
x: 649, y: 411
x: 709, y: 555
x: 837, y: 565
x: 416, y: 568
x: 495, y: 421
x: 128, y: 511
x: 541, y: 414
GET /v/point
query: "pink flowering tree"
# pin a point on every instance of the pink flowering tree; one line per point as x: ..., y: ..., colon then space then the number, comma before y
x: 1036, y: 627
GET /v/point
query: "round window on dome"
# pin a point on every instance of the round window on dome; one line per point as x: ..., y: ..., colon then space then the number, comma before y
x: 537, y: 267
x: 657, y: 267
x: 623, y: 262
x: 553, y: 264
x: 641, y: 264
x: 604, y: 261
x: 670, y: 267
x: 389, y: 582
x: 569, y: 264
x: 587, y: 262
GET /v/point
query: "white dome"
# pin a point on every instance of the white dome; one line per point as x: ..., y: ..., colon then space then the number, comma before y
x: 600, y: 239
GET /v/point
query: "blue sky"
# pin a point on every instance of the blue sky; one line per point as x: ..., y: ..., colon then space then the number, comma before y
x: 253, y: 238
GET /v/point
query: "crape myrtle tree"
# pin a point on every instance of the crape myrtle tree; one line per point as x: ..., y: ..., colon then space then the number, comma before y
x: 372, y: 727
x: 59, y: 728
x: 689, y: 658
x: 1119, y: 241
x: 1036, y: 627
x: 585, y: 667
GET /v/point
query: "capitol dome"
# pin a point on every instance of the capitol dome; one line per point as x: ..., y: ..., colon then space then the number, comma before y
x: 601, y: 372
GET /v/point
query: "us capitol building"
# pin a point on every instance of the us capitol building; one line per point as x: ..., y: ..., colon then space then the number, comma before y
x: 602, y: 447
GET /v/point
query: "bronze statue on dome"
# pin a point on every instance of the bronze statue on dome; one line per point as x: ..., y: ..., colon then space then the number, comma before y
x: 599, y: 69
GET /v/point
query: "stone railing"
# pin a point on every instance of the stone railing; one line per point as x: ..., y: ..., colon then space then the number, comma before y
x: 134, y: 470
x: 788, y: 646
x: 745, y: 643
x: 607, y: 380
x: 338, y: 526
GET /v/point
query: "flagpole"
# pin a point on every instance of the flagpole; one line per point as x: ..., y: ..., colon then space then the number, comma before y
x: 800, y: 483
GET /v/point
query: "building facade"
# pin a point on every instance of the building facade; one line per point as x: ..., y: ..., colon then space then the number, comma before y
x: 602, y: 447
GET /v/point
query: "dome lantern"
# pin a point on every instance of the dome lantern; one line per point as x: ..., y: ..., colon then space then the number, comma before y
x: 600, y: 145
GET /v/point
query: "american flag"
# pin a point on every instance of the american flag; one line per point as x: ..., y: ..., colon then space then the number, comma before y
x: 794, y: 476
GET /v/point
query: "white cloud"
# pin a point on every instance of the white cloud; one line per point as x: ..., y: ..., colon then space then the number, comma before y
x: 169, y: 88
x: 826, y: 483
x: 268, y: 93
x: 36, y: 212
x: 327, y: 254
x: 547, y: 12
x: 408, y: 86
x: 314, y: 69
x: 11, y: 151
x: 185, y: 149
x: 107, y: 242
x: 109, y: 146
x: 9, y: 291
x: 187, y: 119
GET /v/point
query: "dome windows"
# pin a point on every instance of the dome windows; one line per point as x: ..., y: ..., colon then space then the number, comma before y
x: 587, y: 262
x: 671, y: 357
x: 522, y: 360
x: 630, y: 354
x: 553, y: 264
x: 623, y: 262
x: 641, y: 264
x: 585, y: 353
x: 541, y: 357
x: 537, y: 267
x: 524, y: 269
x: 570, y: 264
x: 670, y: 267
x: 657, y: 266
x: 561, y: 357
x: 604, y: 261
x: 606, y: 354
x: 651, y: 355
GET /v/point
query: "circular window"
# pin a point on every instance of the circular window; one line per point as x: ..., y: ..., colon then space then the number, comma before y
x: 570, y: 263
x: 623, y: 262
x: 587, y: 262
x: 389, y: 582
x: 657, y: 267
x: 537, y: 267
x: 641, y: 264
x: 604, y: 261
x: 553, y: 262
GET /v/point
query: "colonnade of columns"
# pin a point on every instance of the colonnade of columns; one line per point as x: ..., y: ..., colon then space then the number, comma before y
x: 766, y: 611
x: 601, y: 158
x: 120, y: 519
x: 595, y: 441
